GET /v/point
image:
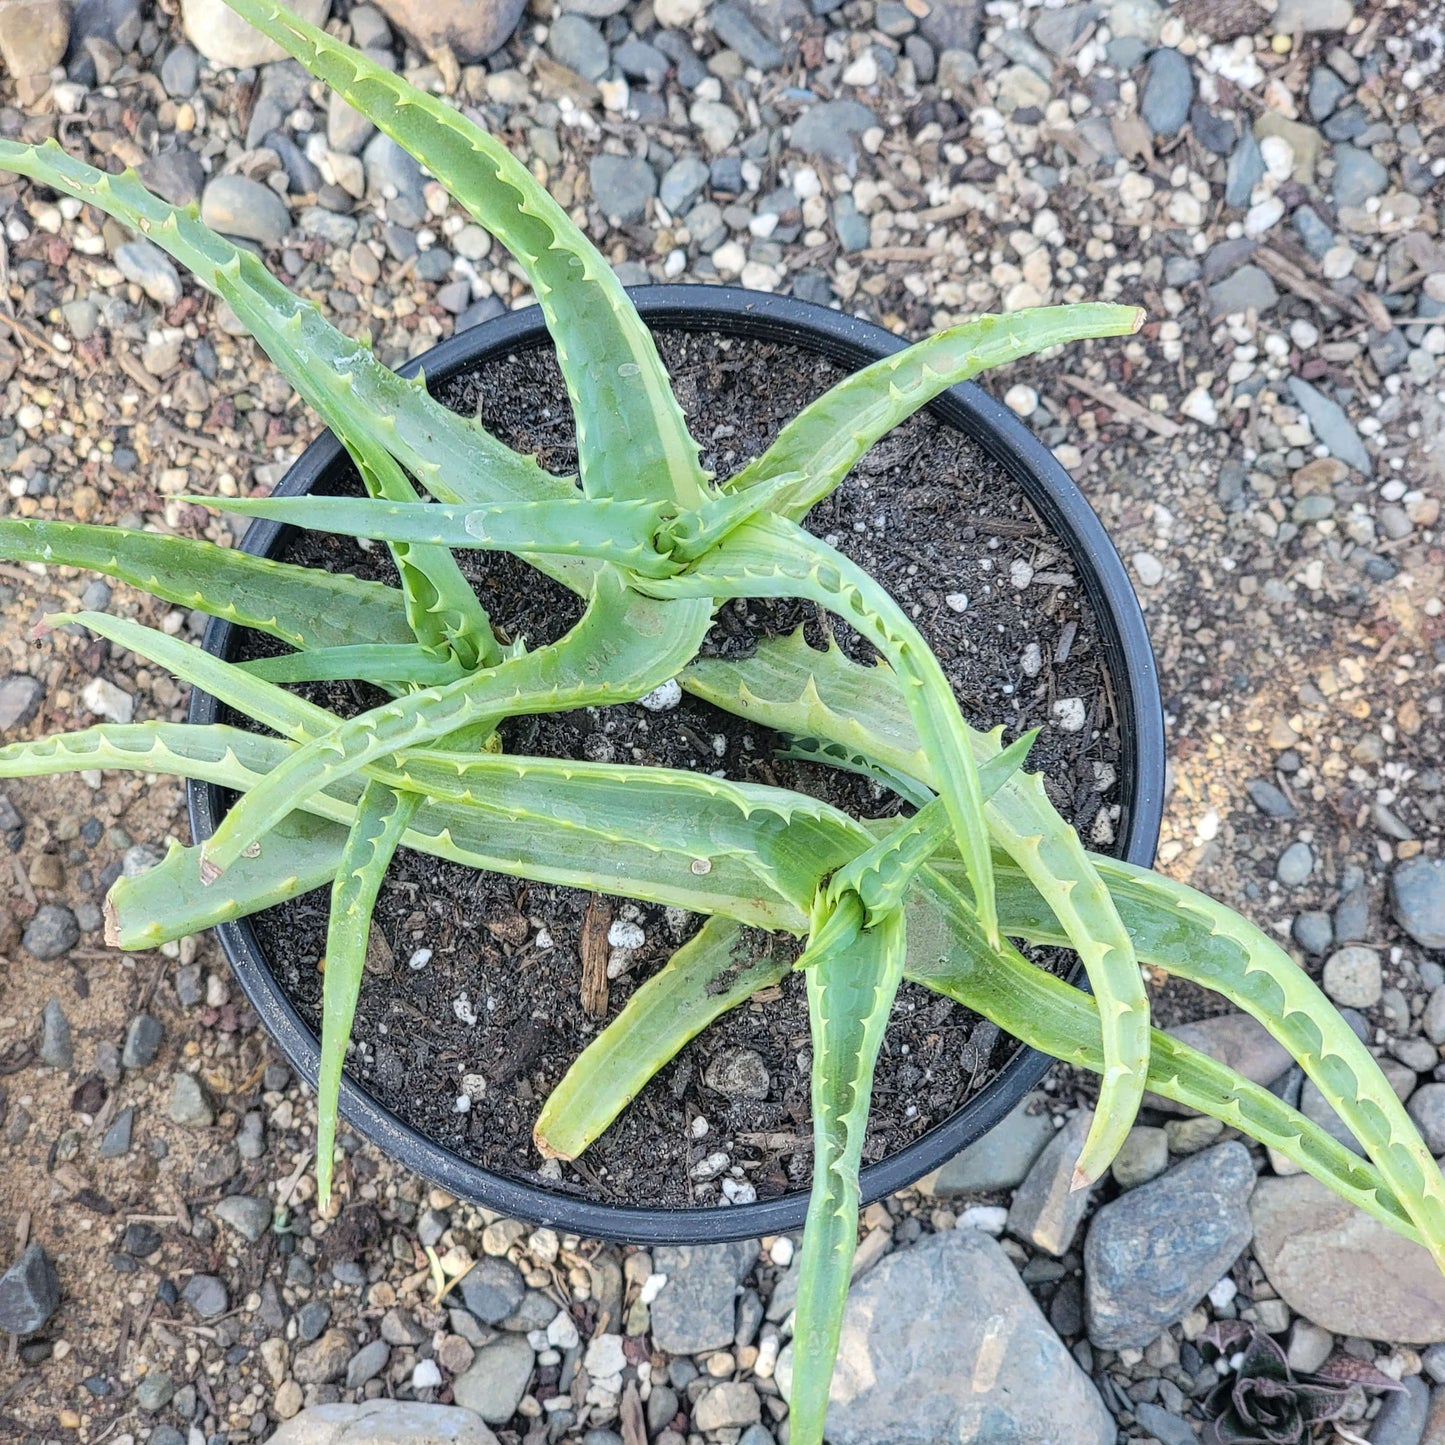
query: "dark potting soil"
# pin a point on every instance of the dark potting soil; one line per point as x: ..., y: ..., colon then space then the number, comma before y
x: 499, y: 996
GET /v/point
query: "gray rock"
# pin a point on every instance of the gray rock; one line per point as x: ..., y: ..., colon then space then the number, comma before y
x: 1295, y: 865
x: 56, y: 1048
x: 325, y: 1359
x: 1316, y: 235
x: 1046, y: 1210
x: 953, y: 24
x: 1058, y: 30
x: 494, y: 1385
x: 384, y: 1422
x: 181, y: 72
x: 226, y: 39
x: 1311, y: 16
x: 175, y: 175
x: 1402, y: 1416
x: 1143, y: 1156
x: 682, y: 184
x: 738, y: 1074
x: 695, y: 1310
x: 1331, y: 425
x: 830, y: 130
x: 736, y: 30
x: 1427, y: 1109
x: 1358, y: 177
x: 1165, y: 1426
x: 1269, y: 799
x: 249, y: 1216
x: 578, y: 44
x: 206, y: 1295
x: 1168, y: 91
x: 1417, y: 896
x: 20, y: 697
x: 395, y: 176
x: 492, y: 1290
x: 852, y: 229
x: 1152, y: 1254
x: 942, y: 1343
x: 115, y: 1143
x: 312, y: 1319
x: 142, y: 1041
x: 1244, y: 171
x: 1432, y: 1021
x: 155, y: 1391
x: 149, y: 268
x: 1003, y: 1157
x: 622, y: 186
x: 640, y: 61
x: 1326, y: 91
x: 1352, y: 916
x: 190, y: 1106
x: 238, y: 206
x: 29, y: 1292
x: 474, y: 29
x: 1343, y: 1269
x: 367, y: 1363
x: 729, y: 1406
x: 1249, y: 287
x: 1313, y: 931
x: 1352, y: 976
x: 51, y: 933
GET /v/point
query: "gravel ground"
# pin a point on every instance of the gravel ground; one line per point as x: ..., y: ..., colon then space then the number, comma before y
x: 1264, y: 179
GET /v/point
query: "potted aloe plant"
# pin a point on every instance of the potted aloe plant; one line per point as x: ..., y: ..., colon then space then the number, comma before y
x: 940, y: 892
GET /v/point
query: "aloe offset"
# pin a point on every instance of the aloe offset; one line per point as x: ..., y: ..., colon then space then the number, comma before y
x: 653, y: 545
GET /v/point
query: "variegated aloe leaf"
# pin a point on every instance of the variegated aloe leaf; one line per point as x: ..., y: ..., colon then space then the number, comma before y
x: 623, y: 533
x: 382, y: 663
x: 301, y: 605
x: 382, y: 815
x: 1186, y: 932
x: 770, y: 557
x: 850, y: 994
x: 823, y: 442
x: 632, y: 441
x: 375, y: 410
x: 443, y: 610
x: 824, y: 695
x: 947, y: 953
x: 719, y: 967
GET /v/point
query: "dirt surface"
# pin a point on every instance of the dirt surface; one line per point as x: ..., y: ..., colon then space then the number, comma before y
x: 930, y: 516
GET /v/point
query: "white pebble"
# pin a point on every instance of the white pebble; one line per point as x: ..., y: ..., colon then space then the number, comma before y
x: 625, y: 934
x: 739, y: 1191
x: 462, y: 1008
x: 1304, y: 334
x: 651, y: 1288
x: 664, y: 698
x: 1070, y: 714
x: 782, y: 1251
x: 1032, y: 661
x: 1021, y: 400
x: 990, y: 1218
x: 1338, y: 262
x: 957, y: 601
x: 1199, y: 406
x: 1148, y: 569
x: 1223, y: 1293
x: 462, y: 1104
x: 1020, y: 573
x: 426, y: 1376
x: 419, y: 959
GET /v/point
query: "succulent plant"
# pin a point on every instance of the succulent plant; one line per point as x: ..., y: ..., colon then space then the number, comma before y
x: 1263, y: 1402
x: 654, y: 545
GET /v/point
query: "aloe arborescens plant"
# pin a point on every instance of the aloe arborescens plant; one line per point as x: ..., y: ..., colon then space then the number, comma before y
x: 654, y: 545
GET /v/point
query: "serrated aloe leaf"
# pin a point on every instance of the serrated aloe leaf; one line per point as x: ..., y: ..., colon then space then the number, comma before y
x: 632, y: 441
x: 621, y: 649
x: 823, y: 442
x: 823, y: 694
x: 378, y: 662
x: 1185, y: 932
x: 443, y: 610
x: 850, y: 993
x: 692, y: 533
x: 719, y: 967
x: 834, y: 755
x: 622, y: 533
x: 303, y: 606
x: 165, y: 902
x: 771, y: 557
x: 371, y: 407
x: 948, y: 954
x: 882, y: 876
x: 382, y: 815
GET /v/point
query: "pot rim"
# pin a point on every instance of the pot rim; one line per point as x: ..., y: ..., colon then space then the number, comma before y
x: 1129, y: 661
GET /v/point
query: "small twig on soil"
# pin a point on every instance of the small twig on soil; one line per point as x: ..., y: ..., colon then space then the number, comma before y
x: 1124, y: 407
x: 595, y: 925
x: 22, y: 882
x: 27, y: 333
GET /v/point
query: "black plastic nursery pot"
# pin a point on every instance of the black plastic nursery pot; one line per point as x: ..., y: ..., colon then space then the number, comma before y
x: 1128, y: 660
